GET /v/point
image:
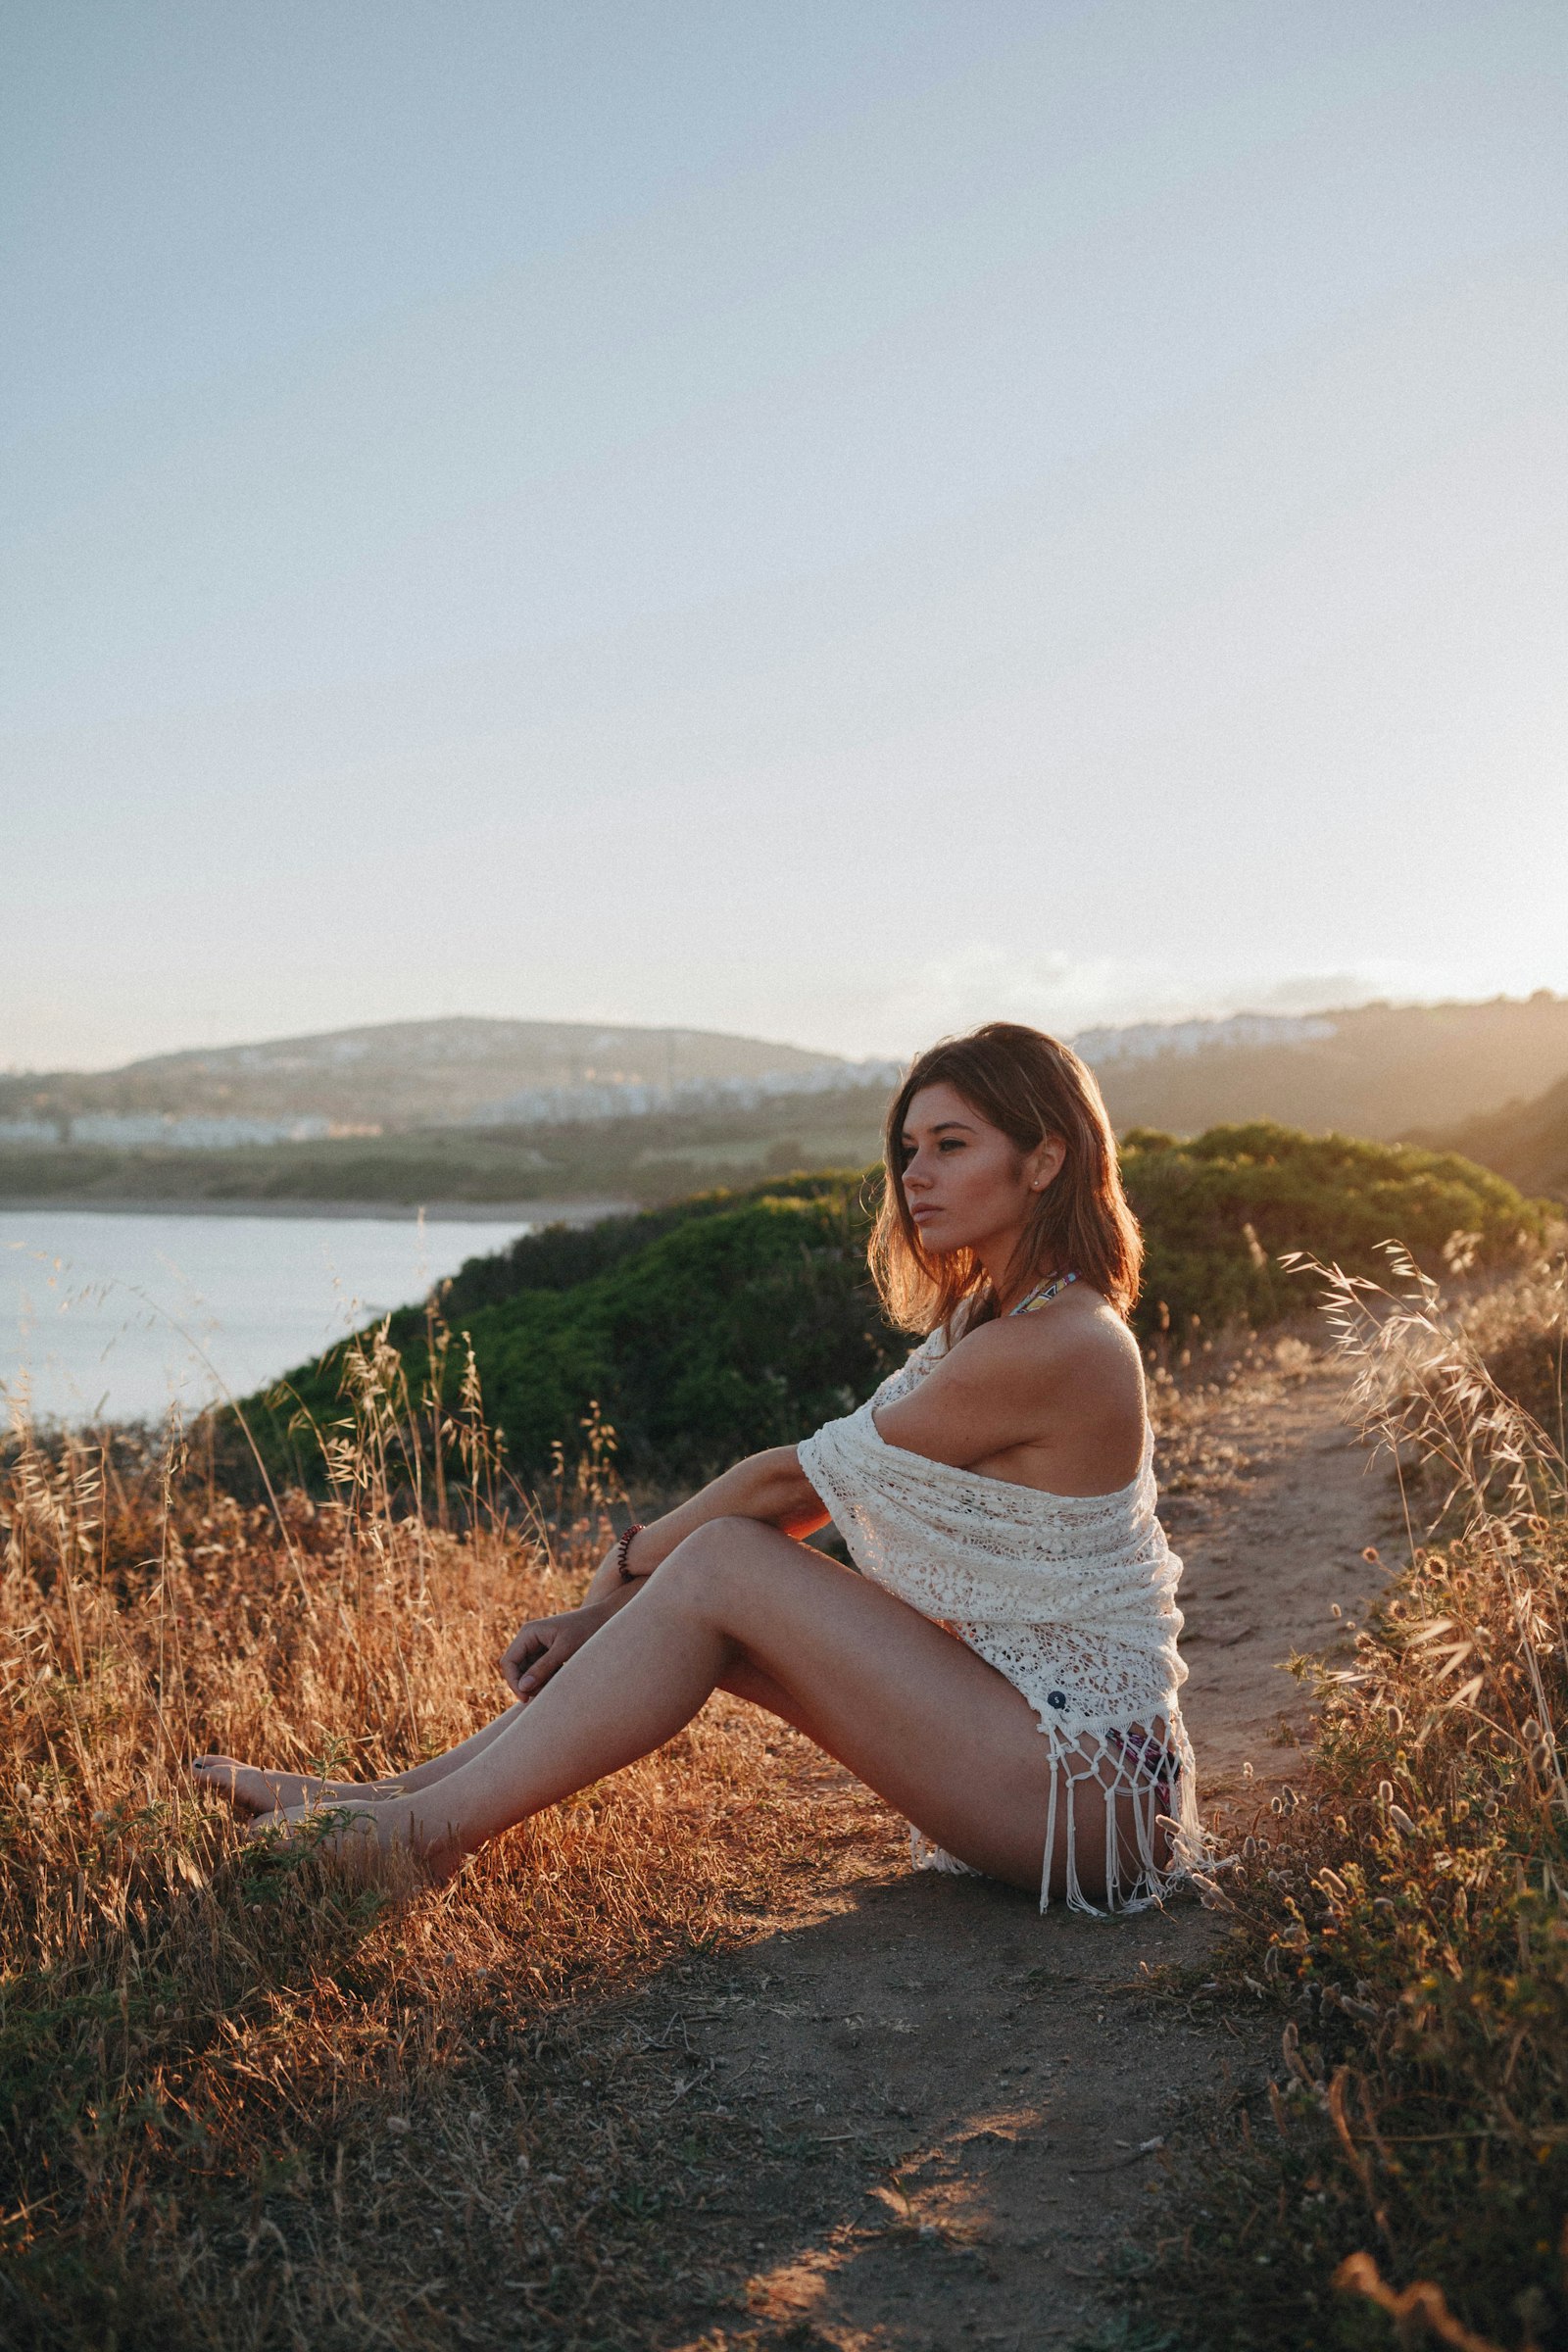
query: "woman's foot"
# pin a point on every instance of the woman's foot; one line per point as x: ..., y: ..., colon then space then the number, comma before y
x: 351, y: 1828
x: 251, y: 1791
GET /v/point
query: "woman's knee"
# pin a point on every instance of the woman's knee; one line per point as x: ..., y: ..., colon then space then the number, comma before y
x: 706, y: 1564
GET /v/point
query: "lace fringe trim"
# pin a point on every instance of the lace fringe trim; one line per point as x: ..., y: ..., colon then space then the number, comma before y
x: 1135, y: 1880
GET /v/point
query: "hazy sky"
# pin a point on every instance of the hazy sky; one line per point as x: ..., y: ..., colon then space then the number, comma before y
x: 825, y: 518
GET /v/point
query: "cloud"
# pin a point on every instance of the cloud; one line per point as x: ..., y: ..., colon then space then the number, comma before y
x: 1318, y: 991
x: 957, y: 990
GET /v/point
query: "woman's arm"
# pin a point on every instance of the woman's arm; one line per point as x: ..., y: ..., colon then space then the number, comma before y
x: 770, y: 1486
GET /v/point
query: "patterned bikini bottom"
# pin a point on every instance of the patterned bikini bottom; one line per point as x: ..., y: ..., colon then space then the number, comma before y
x: 1147, y: 1755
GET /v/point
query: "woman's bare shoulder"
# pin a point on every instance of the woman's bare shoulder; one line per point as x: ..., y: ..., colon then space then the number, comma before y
x: 1075, y: 1335
x: 1011, y: 1386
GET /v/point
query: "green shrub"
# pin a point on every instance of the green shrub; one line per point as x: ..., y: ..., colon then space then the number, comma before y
x: 742, y: 1326
x: 1219, y: 1210
x: 559, y: 1256
x: 737, y: 1320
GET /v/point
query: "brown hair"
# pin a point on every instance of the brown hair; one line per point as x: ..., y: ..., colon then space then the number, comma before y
x: 1033, y: 1088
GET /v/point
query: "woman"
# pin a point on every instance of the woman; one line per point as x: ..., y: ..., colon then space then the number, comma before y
x: 1004, y: 1670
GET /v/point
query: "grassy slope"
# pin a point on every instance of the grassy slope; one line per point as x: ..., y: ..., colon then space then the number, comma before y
x: 248, y: 2103
x: 737, y: 1321
x: 1526, y: 1142
x: 1407, y: 1920
x: 245, y: 2104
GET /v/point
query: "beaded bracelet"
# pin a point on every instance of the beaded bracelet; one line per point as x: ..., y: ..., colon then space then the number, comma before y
x: 622, y: 1548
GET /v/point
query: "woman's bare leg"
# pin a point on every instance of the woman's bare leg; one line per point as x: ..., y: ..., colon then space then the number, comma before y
x: 915, y: 1714
x: 257, y: 1789
x: 1087, y: 1795
x: 251, y: 1788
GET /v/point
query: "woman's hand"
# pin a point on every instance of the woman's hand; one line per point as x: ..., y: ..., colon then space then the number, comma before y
x: 544, y: 1645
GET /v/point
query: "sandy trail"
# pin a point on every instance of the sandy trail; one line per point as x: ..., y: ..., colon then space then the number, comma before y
x: 942, y: 2115
x: 1273, y: 1516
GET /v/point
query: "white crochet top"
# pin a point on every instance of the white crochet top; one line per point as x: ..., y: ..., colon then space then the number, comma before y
x: 1072, y: 1597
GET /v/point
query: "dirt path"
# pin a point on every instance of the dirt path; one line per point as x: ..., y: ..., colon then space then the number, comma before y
x: 1273, y: 1508
x: 938, y: 2116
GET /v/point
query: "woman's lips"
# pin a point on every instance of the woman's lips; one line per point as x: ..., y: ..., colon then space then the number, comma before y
x: 927, y: 1208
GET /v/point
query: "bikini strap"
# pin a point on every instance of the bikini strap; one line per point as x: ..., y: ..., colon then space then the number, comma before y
x: 1042, y: 1294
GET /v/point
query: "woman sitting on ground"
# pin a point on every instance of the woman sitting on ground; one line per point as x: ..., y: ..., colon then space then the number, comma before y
x: 1003, y: 1668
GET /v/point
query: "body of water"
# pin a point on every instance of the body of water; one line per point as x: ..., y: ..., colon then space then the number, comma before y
x: 123, y: 1315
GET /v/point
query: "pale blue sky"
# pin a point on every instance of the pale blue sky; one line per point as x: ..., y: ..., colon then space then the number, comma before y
x: 819, y: 516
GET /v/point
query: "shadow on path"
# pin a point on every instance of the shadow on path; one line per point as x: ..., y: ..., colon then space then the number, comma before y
x: 936, y: 2115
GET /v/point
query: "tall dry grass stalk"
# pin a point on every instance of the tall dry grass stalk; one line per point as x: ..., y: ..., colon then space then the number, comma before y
x: 1423, y: 1383
x: 246, y: 2099
x: 1411, y: 1917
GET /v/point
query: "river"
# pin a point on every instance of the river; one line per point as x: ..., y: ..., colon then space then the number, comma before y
x: 119, y: 1316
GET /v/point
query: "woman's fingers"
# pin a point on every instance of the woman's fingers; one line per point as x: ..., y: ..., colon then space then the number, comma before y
x: 543, y: 1646
x: 538, y: 1649
x: 551, y: 1659
x: 547, y: 1663
x: 525, y: 1645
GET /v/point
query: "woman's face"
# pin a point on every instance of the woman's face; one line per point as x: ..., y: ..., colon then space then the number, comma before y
x: 968, y: 1186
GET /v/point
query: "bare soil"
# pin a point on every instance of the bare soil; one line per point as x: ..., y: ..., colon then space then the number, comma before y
x: 1274, y: 1505
x: 931, y: 2117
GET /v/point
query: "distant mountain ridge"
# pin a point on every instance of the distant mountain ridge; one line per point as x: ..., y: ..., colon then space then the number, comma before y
x: 1379, y: 1071
x: 1152, y: 1041
x: 456, y: 1071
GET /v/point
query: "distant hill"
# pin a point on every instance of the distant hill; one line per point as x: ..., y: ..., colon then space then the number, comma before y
x: 1378, y: 1071
x: 466, y: 1110
x: 1526, y: 1142
x: 411, y: 1074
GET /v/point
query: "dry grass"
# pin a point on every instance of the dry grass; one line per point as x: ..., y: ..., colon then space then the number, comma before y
x: 245, y: 2100
x: 1412, y: 1919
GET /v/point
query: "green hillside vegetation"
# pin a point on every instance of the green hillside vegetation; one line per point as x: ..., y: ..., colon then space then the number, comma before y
x: 436, y: 1164
x: 660, y: 1157
x: 1526, y: 1142
x: 737, y: 1326
x: 739, y: 1320
x: 1218, y: 1211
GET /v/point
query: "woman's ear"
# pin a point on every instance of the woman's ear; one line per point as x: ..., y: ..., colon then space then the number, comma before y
x: 1045, y: 1162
